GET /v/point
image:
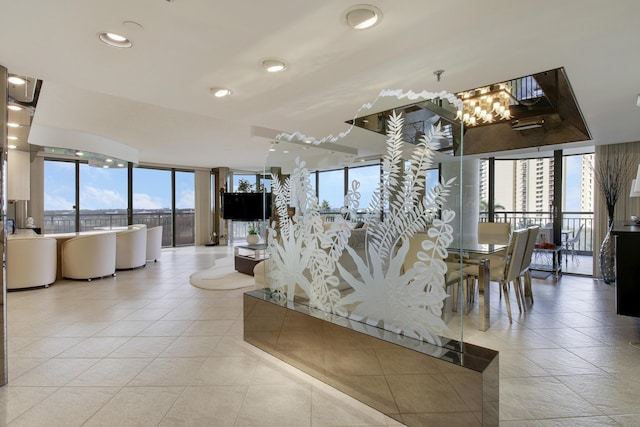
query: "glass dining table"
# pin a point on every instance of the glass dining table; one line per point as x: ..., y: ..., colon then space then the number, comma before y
x: 471, y: 253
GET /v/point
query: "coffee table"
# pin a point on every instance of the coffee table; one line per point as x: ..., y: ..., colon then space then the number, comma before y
x: 247, y: 256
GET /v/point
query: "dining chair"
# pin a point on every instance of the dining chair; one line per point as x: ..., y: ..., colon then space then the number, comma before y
x: 506, y: 273
x: 452, y: 277
x: 494, y: 233
x: 570, y: 245
x: 525, y: 289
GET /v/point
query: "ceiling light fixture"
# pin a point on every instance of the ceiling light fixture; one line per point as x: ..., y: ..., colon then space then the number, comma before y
x: 14, y: 107
x: 13, y: 125
x: 12, y: 138
x: 274, y: 65
x: 638, y: 101
x: 115, y: 40
x: 363, y: 16
x: 220, y: 92
x: 11, y: 146
x: 484, y: 105
x: 16, y: 80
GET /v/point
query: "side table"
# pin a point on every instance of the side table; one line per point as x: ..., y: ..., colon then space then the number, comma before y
x: 547, y: 259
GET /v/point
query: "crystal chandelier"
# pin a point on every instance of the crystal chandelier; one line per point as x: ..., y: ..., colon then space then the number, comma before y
x: 485, y: 105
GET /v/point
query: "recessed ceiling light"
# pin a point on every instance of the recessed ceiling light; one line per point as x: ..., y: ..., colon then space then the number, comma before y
x: 363, y: 16
x: 79, y: 153
x: 108, y: 160
x: 274, y: 65
x: 220, y: 92
x: 13, y: 138
x: 272, y: 149
x: 120, y: 165
x: 12, y: 146
x: 16, y: 80
x: 13, y: 125
x: 14, y: 107
x: 285, y: 151
x: 115, y: 40
x: 638, y: 101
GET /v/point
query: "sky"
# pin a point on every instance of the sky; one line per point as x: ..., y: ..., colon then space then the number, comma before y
x: 107, y: 188
x: 572, y: 190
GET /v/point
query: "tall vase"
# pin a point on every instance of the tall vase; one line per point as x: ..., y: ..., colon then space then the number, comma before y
x: 607, y: 257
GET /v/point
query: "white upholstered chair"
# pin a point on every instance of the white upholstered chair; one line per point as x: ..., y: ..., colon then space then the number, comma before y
x: 507, y: 273
x: 451, y: 277
x: 89, y: 257
x: 494, y: 233
x: 532, y: 236
x: 154, y: 243
x: 31, y: 262
x: 131, y: 247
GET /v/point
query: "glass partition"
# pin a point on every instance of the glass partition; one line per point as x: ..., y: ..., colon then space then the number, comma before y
x: 391, y: 253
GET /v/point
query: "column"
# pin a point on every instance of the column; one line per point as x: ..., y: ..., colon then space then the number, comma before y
x: 3, y: 216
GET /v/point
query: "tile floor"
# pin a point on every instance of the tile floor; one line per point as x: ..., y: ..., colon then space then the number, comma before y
x: 145, y: 348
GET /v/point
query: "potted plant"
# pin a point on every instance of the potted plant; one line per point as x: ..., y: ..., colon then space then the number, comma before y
x: 253, y: 234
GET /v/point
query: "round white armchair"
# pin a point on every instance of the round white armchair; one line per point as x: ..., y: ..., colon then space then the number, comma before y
x: 31, y: 262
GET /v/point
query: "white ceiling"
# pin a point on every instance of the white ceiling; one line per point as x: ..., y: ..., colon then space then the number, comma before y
x: 155, y: 96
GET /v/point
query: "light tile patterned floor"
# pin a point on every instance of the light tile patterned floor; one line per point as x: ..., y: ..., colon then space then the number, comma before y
x: 145, y: 348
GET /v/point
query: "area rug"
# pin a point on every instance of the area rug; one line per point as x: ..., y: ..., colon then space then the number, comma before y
x: 221, y: 277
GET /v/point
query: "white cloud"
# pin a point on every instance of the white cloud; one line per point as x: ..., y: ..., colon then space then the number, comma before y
x: 57, y: 203
x: 145, y: 201
x: 186, y: 200
x: 101, y: 198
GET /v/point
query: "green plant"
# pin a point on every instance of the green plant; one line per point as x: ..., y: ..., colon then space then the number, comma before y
x: 253, y: 228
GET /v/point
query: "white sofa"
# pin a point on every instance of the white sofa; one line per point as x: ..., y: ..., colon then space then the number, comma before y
x: 89, y: 257
x: 31, y: 262
x: 131, y: 247
x: 154, y: 243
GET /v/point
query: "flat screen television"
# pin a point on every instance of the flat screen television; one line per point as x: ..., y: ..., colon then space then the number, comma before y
x: 246, y: 206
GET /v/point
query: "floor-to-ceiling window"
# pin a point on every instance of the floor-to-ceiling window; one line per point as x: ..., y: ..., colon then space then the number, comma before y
x: 369, y: 179
x: 80, y: 197
x: 59, y: 197
x: 524, y: 195
x: 185, y: 208
x: 103, y: 197
x: 152, y: 200
x: 331, y: 191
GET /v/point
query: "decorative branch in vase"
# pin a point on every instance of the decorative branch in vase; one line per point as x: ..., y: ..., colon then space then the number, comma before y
x: 611, y: 173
